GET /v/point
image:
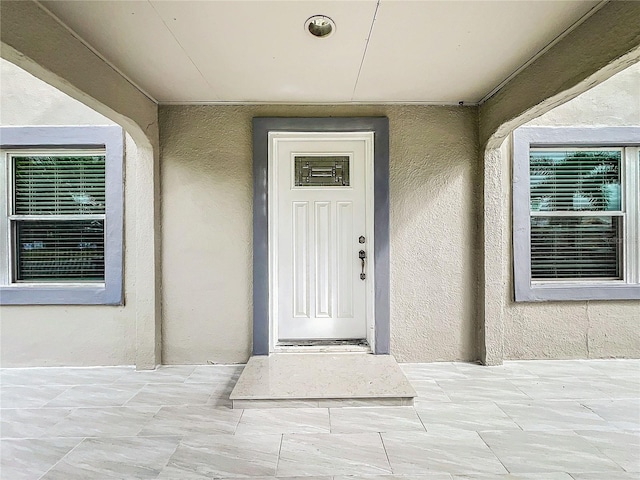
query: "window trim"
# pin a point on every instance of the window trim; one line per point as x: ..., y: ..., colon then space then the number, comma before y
x: 525, y: 138
x: 111, y: 139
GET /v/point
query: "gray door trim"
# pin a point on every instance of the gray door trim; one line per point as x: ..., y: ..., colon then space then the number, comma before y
x: 261, y: 128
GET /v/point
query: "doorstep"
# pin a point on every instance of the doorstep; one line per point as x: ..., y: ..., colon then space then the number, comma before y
x: 322, y: 380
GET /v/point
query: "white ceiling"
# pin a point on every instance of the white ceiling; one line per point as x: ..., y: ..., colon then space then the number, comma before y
x: 258, y: 51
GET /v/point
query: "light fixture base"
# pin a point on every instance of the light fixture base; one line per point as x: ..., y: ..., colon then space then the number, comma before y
x: 320, y: 26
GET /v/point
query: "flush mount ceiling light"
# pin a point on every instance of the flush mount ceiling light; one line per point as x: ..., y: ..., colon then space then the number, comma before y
x: 320, y: 26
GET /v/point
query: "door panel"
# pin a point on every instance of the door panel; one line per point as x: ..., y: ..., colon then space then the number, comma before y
x: 345, y: 272
x: 323, y: 259
x: 301, y: 259
x: 321, y: 215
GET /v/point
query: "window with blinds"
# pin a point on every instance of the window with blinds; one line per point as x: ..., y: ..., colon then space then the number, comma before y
x: 576, y: 214
x: 57, y: 220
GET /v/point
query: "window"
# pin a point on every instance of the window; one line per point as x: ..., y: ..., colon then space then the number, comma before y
x: 313, y: 171
x: 576, y: 213
x: 61, y: 221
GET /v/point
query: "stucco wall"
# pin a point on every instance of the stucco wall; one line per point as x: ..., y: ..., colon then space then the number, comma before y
x: 66, y: 335
x: 206, y: 181
x: 615, y: 102
x: 593, y: 329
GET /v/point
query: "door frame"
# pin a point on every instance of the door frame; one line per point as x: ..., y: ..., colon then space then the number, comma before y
x: 262, y: 126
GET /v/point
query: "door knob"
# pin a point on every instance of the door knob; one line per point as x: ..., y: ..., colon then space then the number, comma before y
x: 362, y: 256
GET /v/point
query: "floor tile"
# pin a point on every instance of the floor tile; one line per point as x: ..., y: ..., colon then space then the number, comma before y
x: 162, y: 374
x: 28, y: 459
x: 111, y: 458
x: 166, y: 394
x: 95, y: 396
x: 473, y: 389
x: 431, y: 371
x: 283, y: 478
x: 531, y: 452
x: 581, y: 418
x: 374, y: 419
x: 220, y: 400
x: 365, y: 402
x: 518, y: 476
x: 429, y: 391
x: 192, y: 420
x: 617, y: 387
x: 88, y: 375
x: 426, y: 476
x: 621, y: 447
x: 558, y: 388
x: 224, y: 456
x: 476, y: 416
x: 222, y: 374
x: 28, y: 396
x: 617, y: 367
x: 610, y: 476
x: 62, y: 376
x: 622, y: 413
x: 422, y: 452
x: 507, y: 370
x: 104, y: 422
x: 561, y: 368
x: 554, y: 415
x: 332, y: 454
x: 284, y: 420
x: 170, y: 472
x: 30, y: 422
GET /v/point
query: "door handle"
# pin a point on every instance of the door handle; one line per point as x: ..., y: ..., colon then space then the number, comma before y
x: 362, y: 255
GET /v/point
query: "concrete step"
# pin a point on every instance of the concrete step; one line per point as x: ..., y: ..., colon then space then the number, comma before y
x: 322, y: 380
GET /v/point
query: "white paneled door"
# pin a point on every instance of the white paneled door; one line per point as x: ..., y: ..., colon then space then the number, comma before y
x: 322, y: 237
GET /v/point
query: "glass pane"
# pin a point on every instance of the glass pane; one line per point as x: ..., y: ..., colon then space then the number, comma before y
x: 52, y: 251
x: 575, y: 180
x: 322, y: 171
x: 576, y: 247
x: 59, y: 185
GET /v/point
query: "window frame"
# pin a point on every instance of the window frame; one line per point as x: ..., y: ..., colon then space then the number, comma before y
x: 526, y: 138
x: 110, y: 139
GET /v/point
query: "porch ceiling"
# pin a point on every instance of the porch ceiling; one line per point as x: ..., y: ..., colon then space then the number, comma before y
x: 258, y: 51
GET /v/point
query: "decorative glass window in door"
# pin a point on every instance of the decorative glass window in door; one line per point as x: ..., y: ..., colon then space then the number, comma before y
x: 324, y: 171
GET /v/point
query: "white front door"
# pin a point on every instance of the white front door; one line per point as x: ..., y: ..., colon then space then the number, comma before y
x: 323, y: 236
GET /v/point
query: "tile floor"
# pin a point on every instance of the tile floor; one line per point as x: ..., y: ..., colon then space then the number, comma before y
x: 543, y: 420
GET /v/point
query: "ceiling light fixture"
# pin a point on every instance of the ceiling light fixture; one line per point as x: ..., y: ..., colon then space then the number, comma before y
x: 320, y: 26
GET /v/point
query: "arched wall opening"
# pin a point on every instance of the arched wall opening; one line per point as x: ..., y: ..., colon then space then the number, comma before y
x: 579, y: 329
x: 82, y: 335
x: 36, y: 42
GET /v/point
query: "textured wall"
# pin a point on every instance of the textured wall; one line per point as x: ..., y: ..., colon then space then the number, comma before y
x: 34, y: 40
x: 605, y: 43
x: 29, y: 101
x: 206, y: 157
x: 60, y: 334
x: 37, y: 42
x: 615, y: 102
x: 575, y: 329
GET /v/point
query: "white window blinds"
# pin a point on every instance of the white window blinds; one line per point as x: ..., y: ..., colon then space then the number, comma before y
x: 576, y: 214
x: 58, y: 217
x: 47, y: 185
